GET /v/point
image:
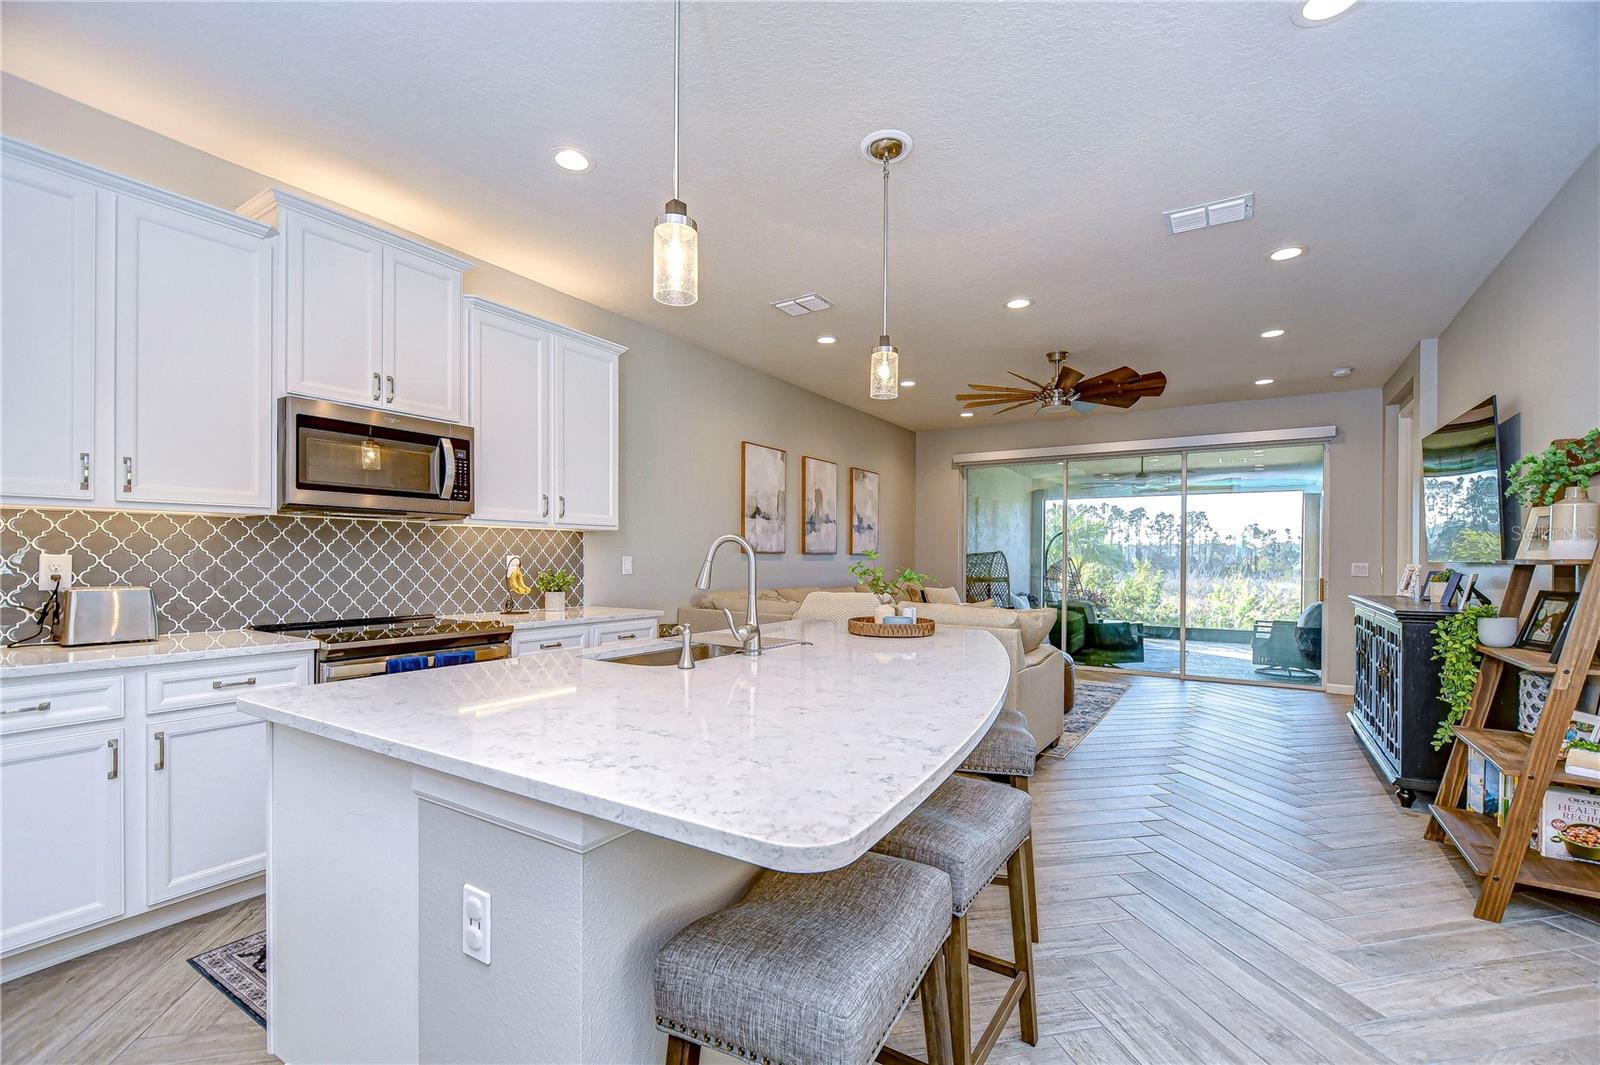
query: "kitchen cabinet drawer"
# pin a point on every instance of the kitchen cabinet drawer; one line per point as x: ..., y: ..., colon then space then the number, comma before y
x: 210, y: 683
x: 535, y: 641
x: 26, y: 706
x: 623, y: 632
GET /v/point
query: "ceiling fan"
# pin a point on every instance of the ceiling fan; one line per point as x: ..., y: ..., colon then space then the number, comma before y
x: 1070, y: 391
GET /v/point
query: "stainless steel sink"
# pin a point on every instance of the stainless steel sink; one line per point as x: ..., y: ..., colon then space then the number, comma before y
x: 668, y: 656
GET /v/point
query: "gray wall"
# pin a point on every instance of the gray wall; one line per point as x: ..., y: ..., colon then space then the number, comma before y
x: 684, y: 410
x: 1353, y: 503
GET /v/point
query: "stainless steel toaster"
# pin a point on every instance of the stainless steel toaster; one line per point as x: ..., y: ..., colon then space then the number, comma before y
x: 105, y: 615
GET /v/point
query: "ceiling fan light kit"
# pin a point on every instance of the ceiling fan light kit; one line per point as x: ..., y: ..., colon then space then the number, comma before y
x: 677, y: 237
x: 1068, y: 391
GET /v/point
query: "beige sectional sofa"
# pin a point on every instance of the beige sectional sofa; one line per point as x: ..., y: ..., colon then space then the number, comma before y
x: 1041, y: 675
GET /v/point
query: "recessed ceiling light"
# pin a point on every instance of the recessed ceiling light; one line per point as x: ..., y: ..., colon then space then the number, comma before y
x: 1283, y: 255
x: 1018, y: 303
x: 1321, y: 12
x: 826, y: 339
x: 1273, y: 334
x: 1265, y: 380
x: 572, y: 159
x: 908, y: 384
x: 966, y: 414
x: 1343, y: 371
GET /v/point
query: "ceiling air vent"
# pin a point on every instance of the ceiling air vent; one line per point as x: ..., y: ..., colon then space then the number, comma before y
x: 1216, y: 213
x: 794, y: 308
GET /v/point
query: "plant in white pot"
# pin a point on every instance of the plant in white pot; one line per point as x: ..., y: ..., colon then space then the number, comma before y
x: 875, y: 579
x: 1558, y: 478
x: 555, y: 584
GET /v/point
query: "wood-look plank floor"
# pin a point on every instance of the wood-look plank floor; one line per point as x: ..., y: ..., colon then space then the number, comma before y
x: 1222, y: 878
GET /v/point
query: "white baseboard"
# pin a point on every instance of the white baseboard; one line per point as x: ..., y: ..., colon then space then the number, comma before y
x: 1341, y: 689
x: 90, y: 940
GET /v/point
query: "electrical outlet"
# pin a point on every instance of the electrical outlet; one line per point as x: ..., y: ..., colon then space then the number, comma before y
x: 475, y: 923
x: 51, y: 566
x: 627, y: 565
x: 1359, y: 569
x: 513, y: 562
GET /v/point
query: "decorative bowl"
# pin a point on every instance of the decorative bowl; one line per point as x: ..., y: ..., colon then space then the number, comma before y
x: 1497, y: 632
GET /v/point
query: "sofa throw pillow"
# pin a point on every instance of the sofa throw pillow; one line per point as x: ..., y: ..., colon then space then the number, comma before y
x: 968, y: 614
x: 836, y: 606
x: 1036, y: 625
x: 941, y: 595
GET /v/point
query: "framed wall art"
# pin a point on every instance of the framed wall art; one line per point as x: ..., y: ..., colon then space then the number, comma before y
x: 863, y: 511
x: 819, y: 492
x: 763, y: 504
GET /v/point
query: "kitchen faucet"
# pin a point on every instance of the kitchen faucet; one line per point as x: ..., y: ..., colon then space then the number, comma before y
x: 748, y: 634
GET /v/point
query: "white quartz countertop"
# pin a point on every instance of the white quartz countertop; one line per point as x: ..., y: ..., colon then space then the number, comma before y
x: 17, y: 663
x: 545, y: 619
x: 798, y: 760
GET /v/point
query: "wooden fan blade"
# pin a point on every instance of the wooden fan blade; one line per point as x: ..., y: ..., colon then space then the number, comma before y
x: 1014, y: 406
x: 1105, y: 385
x: 1110, y: 401
x: 1068, y: 377
x: 1018, y: 392
x: 995, y: 388
x: 1121, y: 375
x: 1038, y: 386
x: 996, y: 402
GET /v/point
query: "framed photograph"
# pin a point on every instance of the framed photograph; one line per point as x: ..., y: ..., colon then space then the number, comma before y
x: 1466, y: 589
x: 819, y: 497
x: 863, y: 511
x: 1451, y: 586
x: 1546, y: 620
x: 1560, y: 645
x: 1535, y: 542
x: 1408, y: 580
x: 1437, y: 579
x: 763, y: 513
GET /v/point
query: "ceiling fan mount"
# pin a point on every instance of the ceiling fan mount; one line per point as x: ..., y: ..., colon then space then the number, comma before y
x: 1068, y: 391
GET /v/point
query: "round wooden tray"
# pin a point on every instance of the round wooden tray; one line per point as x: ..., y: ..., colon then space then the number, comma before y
x: 872, y: 627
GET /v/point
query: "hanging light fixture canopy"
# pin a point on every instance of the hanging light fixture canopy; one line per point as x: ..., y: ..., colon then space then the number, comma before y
x: 883, y: 369
x: 677, y: 238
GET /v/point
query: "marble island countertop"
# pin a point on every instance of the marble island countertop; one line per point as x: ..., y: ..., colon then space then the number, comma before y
x: 798, y: 760
x: 35, y: 660
x: 545, y: 619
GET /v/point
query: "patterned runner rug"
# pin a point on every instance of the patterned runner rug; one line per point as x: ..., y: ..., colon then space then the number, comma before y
x: 239, y: 970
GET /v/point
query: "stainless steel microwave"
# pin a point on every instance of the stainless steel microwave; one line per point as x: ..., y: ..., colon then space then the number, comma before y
x: 351, y: 460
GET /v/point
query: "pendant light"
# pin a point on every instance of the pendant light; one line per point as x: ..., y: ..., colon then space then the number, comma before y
x: 677, y: 238
x: 883, y: 369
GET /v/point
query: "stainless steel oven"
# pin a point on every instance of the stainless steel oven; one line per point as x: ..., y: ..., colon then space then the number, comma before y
x: 352, y: 460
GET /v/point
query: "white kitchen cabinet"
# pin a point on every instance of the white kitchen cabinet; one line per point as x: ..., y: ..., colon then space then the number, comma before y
x: 205, y: 801
x: 508, y: 367
x: 538, y: 641
x: 614, y: 632
x: 61, y: 834
x: 583, y: 433
x: 194, y: 418
x: 47, y: 335
x: 370, y: 317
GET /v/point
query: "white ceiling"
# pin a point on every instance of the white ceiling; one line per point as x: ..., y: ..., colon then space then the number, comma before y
x: 1408, y: 145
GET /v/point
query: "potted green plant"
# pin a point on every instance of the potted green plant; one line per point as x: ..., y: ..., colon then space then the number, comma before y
x: 1558, y: 478
x: 555, y: 584
x: 873, y: 577
x: 1455, y: 643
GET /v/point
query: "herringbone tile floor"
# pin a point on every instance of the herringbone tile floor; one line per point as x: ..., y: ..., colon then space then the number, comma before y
x: 1222, y: 878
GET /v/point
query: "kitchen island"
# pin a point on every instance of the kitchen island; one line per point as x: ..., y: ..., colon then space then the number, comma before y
x: 602, y: 806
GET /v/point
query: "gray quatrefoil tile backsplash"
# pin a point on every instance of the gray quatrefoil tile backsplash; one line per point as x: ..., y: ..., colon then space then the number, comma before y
x: 213, y: 572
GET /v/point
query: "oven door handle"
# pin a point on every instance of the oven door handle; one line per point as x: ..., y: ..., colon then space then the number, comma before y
x: 448, y: 450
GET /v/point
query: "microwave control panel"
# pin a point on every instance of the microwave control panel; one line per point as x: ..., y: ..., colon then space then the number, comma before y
x: 462, y: 489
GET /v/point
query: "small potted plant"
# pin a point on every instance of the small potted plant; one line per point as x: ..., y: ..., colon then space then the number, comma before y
x: 1557, y: 479
x: 555, y: 584
x: 876, y: 579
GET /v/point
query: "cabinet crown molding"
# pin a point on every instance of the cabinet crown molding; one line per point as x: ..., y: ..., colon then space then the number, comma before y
x: 479, y: 303
x: 11, y: 148
x: 266, y: 203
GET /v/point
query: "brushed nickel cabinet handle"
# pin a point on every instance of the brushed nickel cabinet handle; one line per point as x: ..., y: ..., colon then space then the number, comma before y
x: 544, y: 506
x: 248, y: 682
x: 127, y: 473
x: 390, y: 378
x: 628, y: 636
x: 34, y: 709
x: 83, y: 471
x: 116, y: 760
x: 377, y: 386
x: 161, y: 750
x: 561, y: 506
x: 553, y: 645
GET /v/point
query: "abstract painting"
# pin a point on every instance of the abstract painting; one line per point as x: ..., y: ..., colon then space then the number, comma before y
x: 863, y: 511
x: 819, y: 490
x: 764, y: 515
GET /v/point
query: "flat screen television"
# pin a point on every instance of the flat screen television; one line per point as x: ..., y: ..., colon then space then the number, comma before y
x: 1463, y: 489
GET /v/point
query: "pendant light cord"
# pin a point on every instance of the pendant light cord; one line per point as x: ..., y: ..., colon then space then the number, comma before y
x: 677, y: 33
x: 886, y: 245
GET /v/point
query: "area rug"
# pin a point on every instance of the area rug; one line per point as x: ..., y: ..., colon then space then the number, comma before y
x: 239, y: 970
x: 1092, y: 700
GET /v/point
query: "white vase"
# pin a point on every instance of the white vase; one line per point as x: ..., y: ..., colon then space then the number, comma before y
x: 1497, y: 632
x: 1574, y: 525
x: 556, y: 602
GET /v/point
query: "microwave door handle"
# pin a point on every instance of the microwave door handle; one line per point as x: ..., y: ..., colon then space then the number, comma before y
x: 447, y: 449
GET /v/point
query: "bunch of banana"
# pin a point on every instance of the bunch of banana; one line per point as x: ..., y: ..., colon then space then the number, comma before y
x: 516, y: 582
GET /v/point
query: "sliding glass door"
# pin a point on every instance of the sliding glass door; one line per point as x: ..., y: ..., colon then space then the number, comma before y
x: 1014, y: 537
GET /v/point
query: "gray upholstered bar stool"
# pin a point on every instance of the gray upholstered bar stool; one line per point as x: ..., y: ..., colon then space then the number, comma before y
x: 1006, y: 754
x: 970, y: 829
x: 811, y: 969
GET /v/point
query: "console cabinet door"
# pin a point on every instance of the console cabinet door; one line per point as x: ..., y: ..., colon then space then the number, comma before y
x: 206, y: 801
x: 422, y: 337
x: 333, y: 309
x: 61, y: 834
x: 47, y: 317
x: 584, y: 434
x: 509, y: 371
x: 194, y: 409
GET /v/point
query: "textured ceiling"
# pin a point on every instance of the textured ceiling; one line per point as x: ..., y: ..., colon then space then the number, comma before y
x: 1408, y: 145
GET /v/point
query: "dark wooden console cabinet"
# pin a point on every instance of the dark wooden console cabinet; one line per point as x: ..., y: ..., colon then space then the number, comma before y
x: 1397, y: 706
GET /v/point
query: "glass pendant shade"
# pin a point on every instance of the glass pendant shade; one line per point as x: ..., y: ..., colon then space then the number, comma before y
x: 884, y: 380
x: 677, y: 256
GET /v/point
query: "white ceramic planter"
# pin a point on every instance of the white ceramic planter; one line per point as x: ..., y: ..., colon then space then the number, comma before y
x: 1497, y: 632
x: 1574, y: 525
x: 555, y: 601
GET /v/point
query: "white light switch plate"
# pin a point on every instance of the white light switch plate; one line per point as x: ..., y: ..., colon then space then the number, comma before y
x: 50, y: 565
x: 627, y: 565
x: 475, y: 923
x: 1359, y: 569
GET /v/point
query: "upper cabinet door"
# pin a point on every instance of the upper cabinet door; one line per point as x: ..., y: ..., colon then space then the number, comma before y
x: 333, y: 347
x: 47, y: 317
x: 422, y: 336
x: 509, y: 370
x: 194, y: 409
x: 584, y: 434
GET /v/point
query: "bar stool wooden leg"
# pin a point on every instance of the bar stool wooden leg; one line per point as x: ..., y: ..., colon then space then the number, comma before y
x: 682, y: 1052
x: 1021, y: 784
x: 1018, y: 884
x: 959, y: 981
x: 936, y: 1013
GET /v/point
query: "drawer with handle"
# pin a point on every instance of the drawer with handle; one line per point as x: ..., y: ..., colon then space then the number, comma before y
x: 538, y: 641
x: 634, y: 631
x: 28, y: 705
x: 214, y: 682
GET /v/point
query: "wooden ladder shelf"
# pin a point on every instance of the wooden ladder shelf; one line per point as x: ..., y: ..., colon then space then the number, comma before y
x: 1500, y: 853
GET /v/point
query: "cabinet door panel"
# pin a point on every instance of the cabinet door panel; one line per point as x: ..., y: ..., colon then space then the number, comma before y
x: 584, y: 434
x: 334, y: 298
x: 60, y: 835
x: 194, y: 360
x: 509, y: 374
x: 47, y: 268
x: 422, y: 336
x: 206, y: 801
